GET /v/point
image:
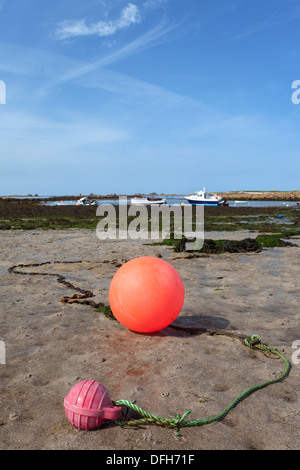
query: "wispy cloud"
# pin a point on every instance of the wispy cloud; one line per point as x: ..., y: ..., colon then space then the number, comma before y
x: 129, y: 15
x: 155, y: 36
x: 52, y: 70
x: 275, y: 19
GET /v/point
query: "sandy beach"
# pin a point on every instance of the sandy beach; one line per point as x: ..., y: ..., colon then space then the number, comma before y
x: 51, y: 346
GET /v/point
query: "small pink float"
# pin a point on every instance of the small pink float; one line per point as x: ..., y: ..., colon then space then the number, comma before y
x: 88, y: 405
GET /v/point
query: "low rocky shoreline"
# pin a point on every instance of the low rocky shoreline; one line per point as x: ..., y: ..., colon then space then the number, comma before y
x: 228, y: 195
x: 262, y: 195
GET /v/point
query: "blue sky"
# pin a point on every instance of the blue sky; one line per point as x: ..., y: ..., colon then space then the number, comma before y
x: 117, y: 96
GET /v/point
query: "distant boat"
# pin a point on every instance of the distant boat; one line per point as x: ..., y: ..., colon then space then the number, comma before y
x: 85, y: 201
x: 147, y: 201
x: 202, y: 197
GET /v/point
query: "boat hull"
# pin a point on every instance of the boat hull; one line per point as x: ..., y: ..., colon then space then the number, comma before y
x: 147, y: 202
x: 194, y: 202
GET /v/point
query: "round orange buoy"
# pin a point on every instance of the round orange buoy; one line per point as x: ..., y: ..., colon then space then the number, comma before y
x: 146, y: 294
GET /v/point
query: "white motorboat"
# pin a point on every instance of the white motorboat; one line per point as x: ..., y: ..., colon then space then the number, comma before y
x: 202, y: 197
x: 85, y: 201
x: 147, y: 201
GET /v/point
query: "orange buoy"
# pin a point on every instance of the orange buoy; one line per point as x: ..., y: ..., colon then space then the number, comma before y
x: 146, y: 294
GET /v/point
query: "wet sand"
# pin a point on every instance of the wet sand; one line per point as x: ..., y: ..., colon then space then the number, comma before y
x: 51, y: 346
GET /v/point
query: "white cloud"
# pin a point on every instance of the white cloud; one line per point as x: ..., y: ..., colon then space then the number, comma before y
x: 129, y: 15
x: 153, y: 3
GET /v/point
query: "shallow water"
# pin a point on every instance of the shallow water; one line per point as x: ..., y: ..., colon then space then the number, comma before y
x: 171, y: 200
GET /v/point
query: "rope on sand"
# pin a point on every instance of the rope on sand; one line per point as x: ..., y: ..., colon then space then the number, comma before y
x: 254, y: 343
x: 178, y: 422
x: 76, y: 298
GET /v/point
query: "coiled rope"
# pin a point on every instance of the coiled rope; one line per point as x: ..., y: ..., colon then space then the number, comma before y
x: 254, y: 343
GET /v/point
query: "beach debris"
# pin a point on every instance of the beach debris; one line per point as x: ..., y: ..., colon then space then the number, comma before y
x: 146, y: 294
x: 88, y: 405
x: 253, y: 342
x: 92, y: 413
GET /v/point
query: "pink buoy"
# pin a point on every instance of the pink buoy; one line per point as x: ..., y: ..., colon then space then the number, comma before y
x: 88, y: 405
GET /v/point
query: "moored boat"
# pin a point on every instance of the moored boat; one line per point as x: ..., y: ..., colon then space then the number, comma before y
x: 85, y: 201
x: 202, y: 197
x: 147, y: 201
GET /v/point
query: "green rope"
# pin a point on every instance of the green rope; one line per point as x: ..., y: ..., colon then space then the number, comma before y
x: 177, y: 422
